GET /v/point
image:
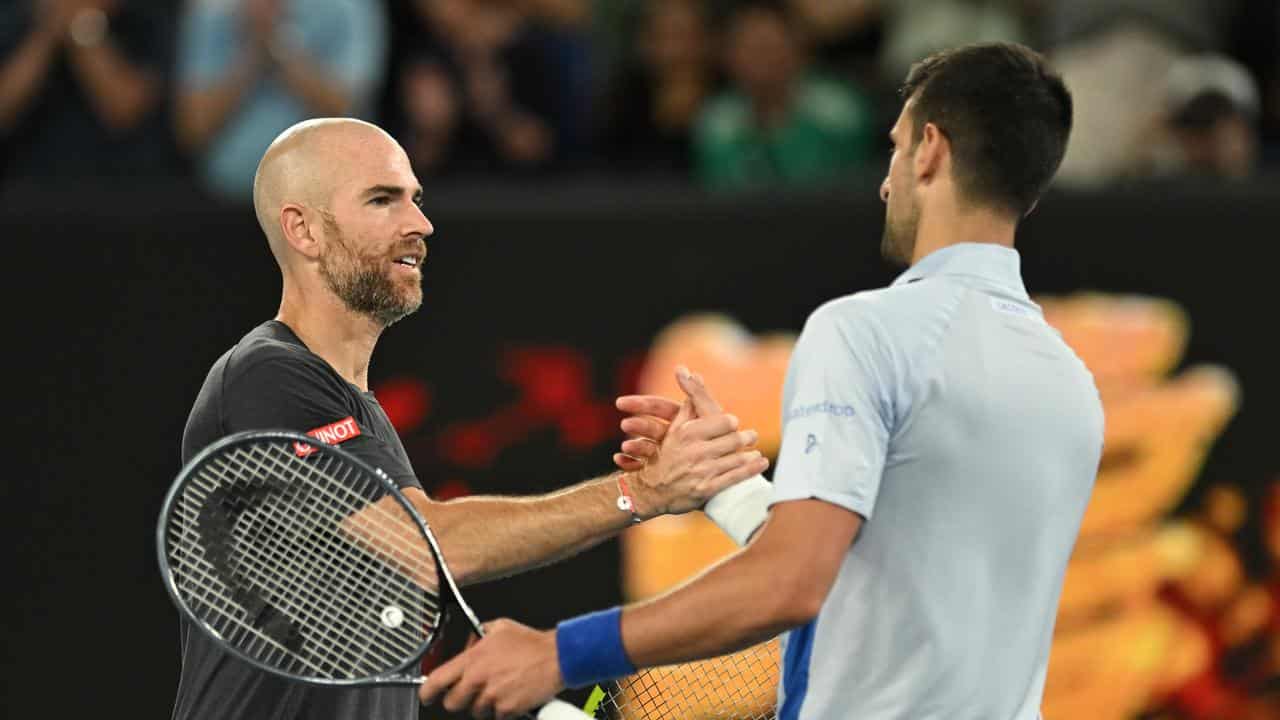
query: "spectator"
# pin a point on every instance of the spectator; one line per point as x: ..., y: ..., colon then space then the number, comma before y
x: 251, y: 68
x: 847, y: 35
x: 780, y: 121
x: 652, y: 106
x: 81, y: 85
x: 917, y: 28
x: 1209, y: 121
x: 1109, y: 52
x: 480, y: 92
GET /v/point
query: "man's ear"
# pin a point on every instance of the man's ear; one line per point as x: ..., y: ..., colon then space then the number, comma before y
x: 296, y: 227
x: 931, y: 153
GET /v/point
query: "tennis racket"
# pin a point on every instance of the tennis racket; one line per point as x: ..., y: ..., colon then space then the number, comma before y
x: 738, y: 686
x: 302, y: 560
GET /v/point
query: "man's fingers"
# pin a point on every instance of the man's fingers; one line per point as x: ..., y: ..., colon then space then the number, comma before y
x: 655, y: 405
x: 708, y: 428
x: 640, y: 448
x: 684, y: 416
x: 460, y: 696
x: 627, y: 463
x: 645, y: 426
x: 723, y: 465
x: 729, y: 443
x: 745, y: 469
x: 441, y: 679
x: 692, y: 385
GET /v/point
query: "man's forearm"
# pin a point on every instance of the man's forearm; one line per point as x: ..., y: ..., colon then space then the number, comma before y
x: 202, y: 113
x: 321, y: 93
x: 119, y: 92
x: 23, y: 74
x: 778, y: 582
x: 487, y: 537
x: 745, y: 599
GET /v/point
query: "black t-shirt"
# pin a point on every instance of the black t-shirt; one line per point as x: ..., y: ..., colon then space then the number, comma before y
x: 271, y: 381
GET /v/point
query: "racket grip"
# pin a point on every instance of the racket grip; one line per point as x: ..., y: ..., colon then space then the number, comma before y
x: 561, y: 710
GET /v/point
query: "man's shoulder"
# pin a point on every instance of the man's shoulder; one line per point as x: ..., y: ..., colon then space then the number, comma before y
x: 900, y: 320
x: 271, y: 346
x: 883, y: 306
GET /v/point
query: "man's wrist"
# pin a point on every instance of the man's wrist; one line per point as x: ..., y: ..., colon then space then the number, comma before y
x: 741, y: 509
x: 589, y: 649
x: 626, y: 501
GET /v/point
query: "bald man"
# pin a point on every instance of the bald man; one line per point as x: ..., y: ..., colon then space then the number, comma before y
x: 340, y: 207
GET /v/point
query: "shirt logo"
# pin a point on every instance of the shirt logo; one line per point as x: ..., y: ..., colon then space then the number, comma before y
x: 825, y: 407
x: 331, y: 434
x: 810, y: 443
x: 1012, y: 308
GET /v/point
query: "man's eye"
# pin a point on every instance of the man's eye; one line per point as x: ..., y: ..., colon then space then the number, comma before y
x: 381, y: 200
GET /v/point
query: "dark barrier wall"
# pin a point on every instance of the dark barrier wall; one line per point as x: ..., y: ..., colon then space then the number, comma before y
x: 538, y: 310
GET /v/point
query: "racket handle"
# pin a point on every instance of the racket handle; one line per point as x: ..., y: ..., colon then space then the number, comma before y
x: 561, y: 710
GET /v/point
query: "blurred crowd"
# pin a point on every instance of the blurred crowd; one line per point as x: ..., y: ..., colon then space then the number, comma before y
x: 728, y: 93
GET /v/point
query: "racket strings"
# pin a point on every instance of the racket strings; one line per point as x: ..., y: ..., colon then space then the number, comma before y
x: 251, y: 638
x: 334, y: 546
x: 390, y: 542
x: 291, y: 541
x: 739, y: 686
x: 261, y: 527
x: 282, y: 595
x: 228, y: 618
x: 340, y: 544
x: 315, y: 654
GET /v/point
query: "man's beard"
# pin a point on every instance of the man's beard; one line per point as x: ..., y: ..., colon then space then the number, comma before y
x: 363, y: 283
x: 898, y: 243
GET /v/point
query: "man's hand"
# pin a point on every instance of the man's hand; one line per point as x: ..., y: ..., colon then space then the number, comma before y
x: 650, y: 418
x: 261, y: 18
x: 699, y: 453
x: 512, y: 669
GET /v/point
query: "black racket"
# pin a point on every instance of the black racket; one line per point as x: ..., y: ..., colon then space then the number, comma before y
x: 304, y: 561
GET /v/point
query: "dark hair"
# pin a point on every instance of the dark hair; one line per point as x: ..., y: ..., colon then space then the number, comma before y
x: 728, y: 13
x: 1006, y: 114
x: 1205, y: 110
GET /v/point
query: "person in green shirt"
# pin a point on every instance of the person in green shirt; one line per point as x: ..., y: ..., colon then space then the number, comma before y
x: 781, y: 122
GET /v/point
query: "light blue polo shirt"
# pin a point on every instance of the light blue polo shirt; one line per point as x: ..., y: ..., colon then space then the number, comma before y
x: 959, y: 425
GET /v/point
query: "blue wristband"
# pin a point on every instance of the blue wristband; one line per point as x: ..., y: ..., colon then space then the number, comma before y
x: 590, y: 649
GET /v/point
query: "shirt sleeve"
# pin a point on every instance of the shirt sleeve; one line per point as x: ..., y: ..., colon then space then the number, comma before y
x: 837, y: 414
x: 356, y: 48
x: 283, y: 392
x: 207, y: 42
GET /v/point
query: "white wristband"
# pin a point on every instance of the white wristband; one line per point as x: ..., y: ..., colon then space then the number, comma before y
x: 740, y: 509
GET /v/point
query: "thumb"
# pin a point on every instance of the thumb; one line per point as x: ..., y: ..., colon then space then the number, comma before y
x: 703, y: 404
x: 684, y: 415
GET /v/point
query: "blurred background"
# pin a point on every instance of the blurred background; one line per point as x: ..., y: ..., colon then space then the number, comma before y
x: 619, y: 186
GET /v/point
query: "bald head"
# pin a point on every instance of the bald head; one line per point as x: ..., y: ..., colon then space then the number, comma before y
x: 311, y: 161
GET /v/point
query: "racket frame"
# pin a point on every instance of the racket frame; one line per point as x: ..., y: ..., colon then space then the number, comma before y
x: 397, y: 675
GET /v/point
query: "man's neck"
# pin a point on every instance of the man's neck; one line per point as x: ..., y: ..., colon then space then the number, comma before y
x: 952, y: 227
x: 328, y: 328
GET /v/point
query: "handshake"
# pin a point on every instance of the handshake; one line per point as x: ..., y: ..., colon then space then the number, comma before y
x: 681, y: 456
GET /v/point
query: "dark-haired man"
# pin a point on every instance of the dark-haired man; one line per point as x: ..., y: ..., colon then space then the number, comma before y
x: 939, y: 445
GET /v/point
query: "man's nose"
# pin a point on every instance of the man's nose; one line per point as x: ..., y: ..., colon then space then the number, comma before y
x: 420, y: 225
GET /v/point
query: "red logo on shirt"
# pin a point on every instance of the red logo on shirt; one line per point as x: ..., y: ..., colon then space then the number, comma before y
x: 331, y: 434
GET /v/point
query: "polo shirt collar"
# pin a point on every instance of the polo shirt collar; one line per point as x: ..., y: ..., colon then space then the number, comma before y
x: 995, y: 264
